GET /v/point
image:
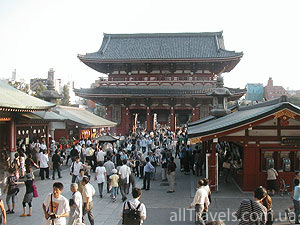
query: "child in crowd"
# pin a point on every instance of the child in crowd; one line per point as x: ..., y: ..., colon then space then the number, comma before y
x: 114, y: 183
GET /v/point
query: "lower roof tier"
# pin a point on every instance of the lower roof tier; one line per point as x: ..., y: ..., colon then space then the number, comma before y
x: 150, y: 91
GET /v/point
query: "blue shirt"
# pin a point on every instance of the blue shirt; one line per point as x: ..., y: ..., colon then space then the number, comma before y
x: 148, y: 168
x: 297, y: 193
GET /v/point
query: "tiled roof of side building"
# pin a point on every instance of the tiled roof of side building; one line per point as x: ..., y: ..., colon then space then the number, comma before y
x: 13, y: 98
x: 158, y: 46
x: 239, y: 118
x: 149, y: 91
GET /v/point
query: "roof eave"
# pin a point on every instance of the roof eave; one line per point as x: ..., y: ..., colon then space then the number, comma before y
x: 243, y: 123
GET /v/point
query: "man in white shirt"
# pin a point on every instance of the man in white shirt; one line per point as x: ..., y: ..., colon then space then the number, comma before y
x: 135, y: 204
x: 87, y: 196
x: 44, y: 166
x: 200, y: 201
x: 56, y: 207
x: 124, y: 173
x: 76, y: 207
x: 75, y: 168
x: 100, y: 155
x: 100, y: 177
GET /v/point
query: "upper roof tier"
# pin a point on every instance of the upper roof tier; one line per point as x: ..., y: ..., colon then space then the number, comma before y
x: 171, y: 47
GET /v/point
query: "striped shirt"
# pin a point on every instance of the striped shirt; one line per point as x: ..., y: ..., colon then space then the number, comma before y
x: 247, y: 215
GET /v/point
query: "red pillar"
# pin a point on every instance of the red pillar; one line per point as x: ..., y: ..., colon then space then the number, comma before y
x: 127, y: 119
x: 213, y: 166
x: 13, y: 136
x: 47, y: 138
x: 172, y: 118
x: 148, y: 114
x: 108, y: 112
x: 194, y: 114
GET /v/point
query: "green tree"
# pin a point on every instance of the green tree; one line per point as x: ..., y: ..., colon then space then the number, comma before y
x: 40, y: 88
x: 66, y: 96
x: 20, y: 86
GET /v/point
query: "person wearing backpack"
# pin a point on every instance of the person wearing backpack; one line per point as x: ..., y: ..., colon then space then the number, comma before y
x: 133, y: 211
x: 75, y: 168
x: 12, y: 190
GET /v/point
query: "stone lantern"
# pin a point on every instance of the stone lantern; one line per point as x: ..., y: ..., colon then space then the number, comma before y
x: 220, y: 95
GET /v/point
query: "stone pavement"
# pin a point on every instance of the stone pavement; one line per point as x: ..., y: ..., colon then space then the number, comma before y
x: 162, y: 208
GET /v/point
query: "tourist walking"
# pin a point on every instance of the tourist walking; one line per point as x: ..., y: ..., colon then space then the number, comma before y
x: 200, y: 201
x: 56, y: 207
x: 44, y: 164
x: 271, y: 180
x: 28, y: 195
x: 100, y: 177
x: 134, y: 205
x: 296, y: 200
x: 79, y: 179
x: 87, y: 197
x: 12, y: 190
x: 252, y: 211
x: 109, y: 166
x: 124, y: 173
x: 3, y: 216
x: 75, y: 168
x: 75, y: 217
x: 56, y: 160
x: 114, y: 183
x: 171, y: 174
x: 148, y: 170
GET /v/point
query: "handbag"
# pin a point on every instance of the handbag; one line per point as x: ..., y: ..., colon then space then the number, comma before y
x: 226, y: 165
x: 35, y: 193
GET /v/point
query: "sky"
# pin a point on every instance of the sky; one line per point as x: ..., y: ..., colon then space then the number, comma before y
x: 36, y: 35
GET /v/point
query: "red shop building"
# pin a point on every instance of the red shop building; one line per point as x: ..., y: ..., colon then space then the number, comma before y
x: 261, y: 135
x: 16, y: 118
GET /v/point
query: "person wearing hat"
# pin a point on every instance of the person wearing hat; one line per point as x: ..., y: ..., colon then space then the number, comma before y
x: 114, y: 183
x: 28, y: 195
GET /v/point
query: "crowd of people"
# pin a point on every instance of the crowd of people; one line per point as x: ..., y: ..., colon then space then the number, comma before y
x: 117, y: 165
x: 114, y: 167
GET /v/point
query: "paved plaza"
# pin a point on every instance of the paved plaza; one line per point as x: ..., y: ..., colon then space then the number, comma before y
x: 162, y: 208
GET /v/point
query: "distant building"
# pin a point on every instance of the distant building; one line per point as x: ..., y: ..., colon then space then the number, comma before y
x: 34, y: 83
x: 255, y: 92
x: 14, y: 75
x: 273, y: 92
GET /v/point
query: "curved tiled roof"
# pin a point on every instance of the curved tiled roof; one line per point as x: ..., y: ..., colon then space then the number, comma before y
x: 13, y: 98
x: 158, y: 46
x: 83, y: 117
x: 241, y: 117
x: 141, y: 91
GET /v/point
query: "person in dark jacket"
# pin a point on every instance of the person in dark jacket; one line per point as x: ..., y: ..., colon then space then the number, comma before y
x: 56, y: 160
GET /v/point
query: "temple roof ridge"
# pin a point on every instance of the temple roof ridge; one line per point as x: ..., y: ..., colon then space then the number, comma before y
x: 180, y: 34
